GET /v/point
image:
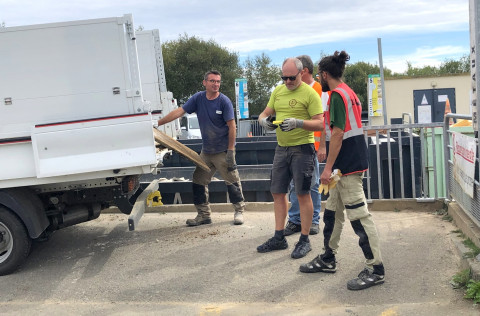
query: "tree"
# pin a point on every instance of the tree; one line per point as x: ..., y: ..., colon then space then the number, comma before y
x: 187, y: 59
x: 448, y: 67
x: 261, y: 79
x: 420, y: 72
x: 356, y: 76
x: 451, y: 66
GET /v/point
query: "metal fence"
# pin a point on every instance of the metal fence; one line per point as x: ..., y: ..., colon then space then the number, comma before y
x: 405, y: 160
x: 250, y: 128
x: 471, y: 206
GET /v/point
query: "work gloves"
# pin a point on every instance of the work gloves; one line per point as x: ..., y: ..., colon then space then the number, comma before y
x: 291, y: 123
x: 230, y: 159
x: 334, y: 177
x: 267, y: 124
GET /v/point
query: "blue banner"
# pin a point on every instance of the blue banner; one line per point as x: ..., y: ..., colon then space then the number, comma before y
x: 241, y: 94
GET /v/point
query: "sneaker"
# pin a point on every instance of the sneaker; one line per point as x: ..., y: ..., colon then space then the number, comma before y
x: 291, y: 228
x: 318, y: 265
x: 238, y: 218
x: 301, y: 249
x: 314, y: 229
x: 273, y: 244
x: 199, y: 220
x: 365, y: 279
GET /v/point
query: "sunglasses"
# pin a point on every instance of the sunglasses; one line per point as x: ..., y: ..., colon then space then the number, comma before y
x: 292, y: 78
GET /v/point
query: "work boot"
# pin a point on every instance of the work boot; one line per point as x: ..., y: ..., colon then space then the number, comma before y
x: 199, y: 220
x: 238, y: 218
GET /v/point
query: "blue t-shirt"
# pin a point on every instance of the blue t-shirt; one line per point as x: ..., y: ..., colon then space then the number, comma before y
x: 213, y: 116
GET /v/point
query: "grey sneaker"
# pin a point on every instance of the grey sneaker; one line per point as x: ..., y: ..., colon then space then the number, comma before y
x: 301, y: 249
x: 273, y: 244
x: 199, y: 220
x: 238, y: 218
x: 291, y: 228
x: 365, y: 279
x: 314, y: 229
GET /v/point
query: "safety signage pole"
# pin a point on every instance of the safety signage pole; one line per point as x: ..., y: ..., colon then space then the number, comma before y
x: 384, y: 99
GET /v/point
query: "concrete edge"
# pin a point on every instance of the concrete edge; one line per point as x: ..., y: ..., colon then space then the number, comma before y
x: 470, y: 230
x: 374, y: 206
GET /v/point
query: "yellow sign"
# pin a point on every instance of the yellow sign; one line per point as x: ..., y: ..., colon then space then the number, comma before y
x: 375, y: 100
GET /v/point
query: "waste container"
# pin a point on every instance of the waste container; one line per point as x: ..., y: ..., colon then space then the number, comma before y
x: 395, y: 164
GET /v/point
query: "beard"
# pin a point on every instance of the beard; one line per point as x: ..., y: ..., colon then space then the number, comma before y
x: 325, y: 87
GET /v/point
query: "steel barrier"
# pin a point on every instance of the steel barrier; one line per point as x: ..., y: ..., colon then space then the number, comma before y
x: 471, y: 206
x: 406, y: 161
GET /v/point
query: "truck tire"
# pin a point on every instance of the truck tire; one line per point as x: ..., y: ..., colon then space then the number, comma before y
x: 14, y: 242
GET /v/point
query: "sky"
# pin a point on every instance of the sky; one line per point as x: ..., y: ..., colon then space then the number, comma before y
x: 420, y: 32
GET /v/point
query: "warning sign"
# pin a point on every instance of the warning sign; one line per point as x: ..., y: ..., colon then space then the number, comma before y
x: 375, y: 99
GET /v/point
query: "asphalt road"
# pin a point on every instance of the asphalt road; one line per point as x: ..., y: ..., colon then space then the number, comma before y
x: 166, y: 268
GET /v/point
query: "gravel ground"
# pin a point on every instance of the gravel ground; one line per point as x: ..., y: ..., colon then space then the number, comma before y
x: 166, y: 268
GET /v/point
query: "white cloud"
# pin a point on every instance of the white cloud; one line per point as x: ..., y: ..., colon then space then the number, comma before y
x: 252, y: 26
x: 255, y: 25
x: 423, y: 56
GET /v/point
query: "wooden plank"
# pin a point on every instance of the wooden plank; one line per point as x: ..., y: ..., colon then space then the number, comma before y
x: 180, y: 148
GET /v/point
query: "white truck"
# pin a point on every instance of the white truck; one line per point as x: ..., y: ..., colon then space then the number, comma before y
x: 77, y: 104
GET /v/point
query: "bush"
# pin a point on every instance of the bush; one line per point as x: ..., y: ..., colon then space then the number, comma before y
x: 473, y: 291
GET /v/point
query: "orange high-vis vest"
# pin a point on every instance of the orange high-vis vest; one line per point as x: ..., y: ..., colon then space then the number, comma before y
x: 317, y: 134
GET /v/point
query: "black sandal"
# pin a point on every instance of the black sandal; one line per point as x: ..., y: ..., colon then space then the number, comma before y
x: 318, y: 265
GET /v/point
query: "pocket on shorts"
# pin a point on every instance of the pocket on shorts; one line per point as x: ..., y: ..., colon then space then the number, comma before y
x: 308, y: 149
x: 307, y: 182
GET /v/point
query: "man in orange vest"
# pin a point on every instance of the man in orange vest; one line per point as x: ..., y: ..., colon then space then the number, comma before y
x: 294, y: 224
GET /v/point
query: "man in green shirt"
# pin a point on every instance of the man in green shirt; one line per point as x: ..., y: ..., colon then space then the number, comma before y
x: 299, y: 109
x: 347, y: 152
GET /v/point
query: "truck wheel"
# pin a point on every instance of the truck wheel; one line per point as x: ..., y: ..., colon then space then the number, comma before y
x: 14, y: 242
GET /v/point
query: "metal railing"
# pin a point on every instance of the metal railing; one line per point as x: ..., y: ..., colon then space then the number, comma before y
x: 454, y: 191
x: 406, y: 161
x: 403, y: 162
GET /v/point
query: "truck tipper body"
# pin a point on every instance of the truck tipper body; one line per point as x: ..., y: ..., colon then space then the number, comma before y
x: 75, y: 125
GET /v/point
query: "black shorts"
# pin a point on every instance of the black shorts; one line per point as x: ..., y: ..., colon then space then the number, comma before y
x: 294, y: 162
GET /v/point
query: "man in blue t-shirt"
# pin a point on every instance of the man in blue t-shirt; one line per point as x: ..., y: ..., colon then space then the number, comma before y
x: 217, y: 125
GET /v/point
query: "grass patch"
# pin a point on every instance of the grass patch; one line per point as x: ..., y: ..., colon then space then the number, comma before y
x: 473, y: 291
x: 396, y: 210
x: 461, y: 279
x: 447, y: 218
x: 441, y: 212
x: 459, y: 233
x: 475, y: 251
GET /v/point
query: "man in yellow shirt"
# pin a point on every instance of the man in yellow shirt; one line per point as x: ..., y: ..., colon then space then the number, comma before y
x: 293, y: 224
x: 299, y: 109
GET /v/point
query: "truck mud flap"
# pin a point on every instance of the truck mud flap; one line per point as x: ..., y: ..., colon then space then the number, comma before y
x: 140, y: 205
